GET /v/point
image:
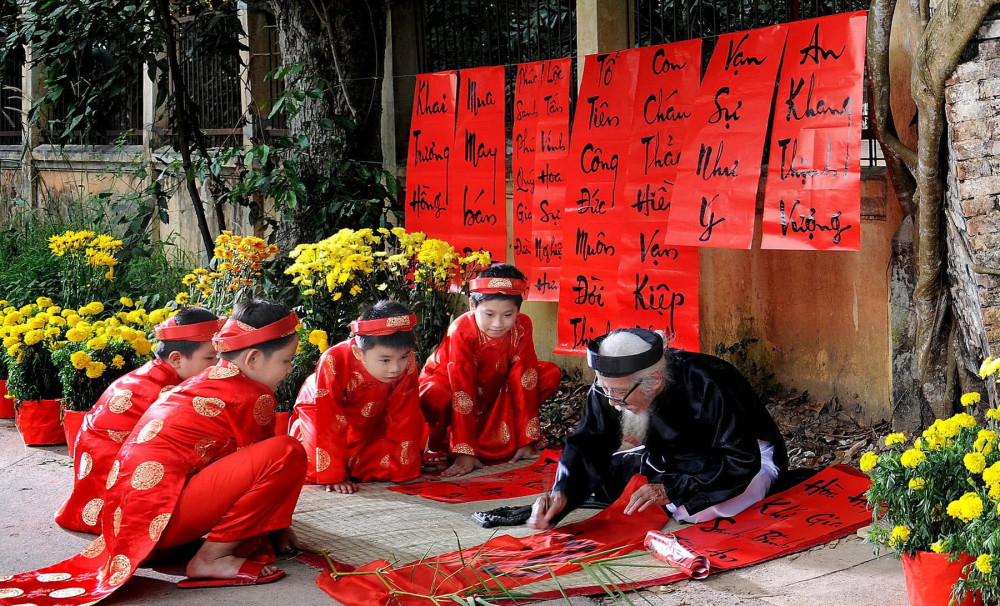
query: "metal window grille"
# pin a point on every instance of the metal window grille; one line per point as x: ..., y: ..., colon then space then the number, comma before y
x: 265, y: 58
x: 10, y: 99
x: 213, y: 83
x: 455, y: 34
x: 663, y: 21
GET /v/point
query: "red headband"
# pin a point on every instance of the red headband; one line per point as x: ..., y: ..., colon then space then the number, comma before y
x: 498, y: 286
x: 384, y: 326
x: 199, y: 331
x: 236, y: 335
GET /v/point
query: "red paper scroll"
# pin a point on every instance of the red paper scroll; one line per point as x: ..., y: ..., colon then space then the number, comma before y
x: 549, y: 200
x: 665, y: 94
x: 522, y: 482
x: 658, y: 285
x: 428, y: 163
x: 503, y: 561
x: 477, y: 183
x: 812, y: 198
x: 595, y: 199
x: 716, y: 188
x: 527, y: 99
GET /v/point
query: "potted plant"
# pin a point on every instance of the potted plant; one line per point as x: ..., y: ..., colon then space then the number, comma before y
x: 6, y: 402
x: 934, y: 501
x: 32, y: 333
x: 90, y: 361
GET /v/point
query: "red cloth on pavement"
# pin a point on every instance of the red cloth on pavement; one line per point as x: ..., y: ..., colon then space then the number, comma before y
x: 521, y: 482
x: 102, y: 433
x: 354, y: 426
x: 482, y: 394
x: 213, y: 414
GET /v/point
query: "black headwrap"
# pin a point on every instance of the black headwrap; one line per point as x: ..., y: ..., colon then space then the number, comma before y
x: 623, y: 366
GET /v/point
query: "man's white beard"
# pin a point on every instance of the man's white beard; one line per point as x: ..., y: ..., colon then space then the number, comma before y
x: 634, y: 425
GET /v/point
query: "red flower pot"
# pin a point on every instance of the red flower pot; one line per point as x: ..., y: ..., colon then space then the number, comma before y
x: 930, y: 578
x: 40, y: 422
x: 6, y: 404
x: 72, y: 419
x: 281, y: 423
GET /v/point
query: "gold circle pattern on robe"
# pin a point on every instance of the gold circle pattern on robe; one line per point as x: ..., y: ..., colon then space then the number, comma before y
x: 118, y: 520
x: 341, y: 420
x: 502, y: 434
x: 118, y: 436
x: 263, y: 409
x: 203, y: 446
x: 121, y: 401
x: 463, y: 449
x: 356, y: 379
x: 68, y: 592
x: 94, y: 549
x: 208, y: 407
x: 149, y: 431
x: 222, y: 372
x: 157, y: 525
x: 529, y: 379
x: 531, y: 429
x: 6, y: 577
x: 322, y: 393
x: 462, y: 403
x: 147, y: 475
x: 385, y: 462
x: 119, y: 570
x: 86, y: 465
x: 405, y: 454
x: 10, y: 592
x: 53, y: 577
x: 322, y: 459
x: 371, y: 409
x: 92, y: 511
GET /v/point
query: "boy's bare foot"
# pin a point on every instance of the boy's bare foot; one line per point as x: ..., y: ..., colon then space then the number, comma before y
x: 216, y: 561
x: 463, y: 464
x: 343, y: 487
x: 526, y: 453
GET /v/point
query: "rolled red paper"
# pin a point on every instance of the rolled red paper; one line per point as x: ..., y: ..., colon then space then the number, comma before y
x: 667, y: 548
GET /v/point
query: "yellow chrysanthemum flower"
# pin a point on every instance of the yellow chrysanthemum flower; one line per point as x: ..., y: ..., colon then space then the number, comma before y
x: 971, y: 398
x: 993, y: 413
x: 126, y: 302
x: 984, y: 563
x: 937, y: 547
x: 895, y: 438
x: 900, y: 535
x: 991, y: 475
x: 142, y: 346
x: 80, y: 360
x: 911, y: 458
x: 43, y: 302
x: 975, y: 462
x: 77, y: 334
x: 95, y: 369
x: 34, y: 336
x: 917, y: 484
x: 118, y: 361
x: 868, y: 461
x: 182, y: 298
x: 967, y: 508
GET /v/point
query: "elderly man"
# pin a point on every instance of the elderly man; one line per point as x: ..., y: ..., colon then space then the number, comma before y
x: 708, y: 446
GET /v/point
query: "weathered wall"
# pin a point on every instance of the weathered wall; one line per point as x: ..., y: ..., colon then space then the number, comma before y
x: 972, y: 108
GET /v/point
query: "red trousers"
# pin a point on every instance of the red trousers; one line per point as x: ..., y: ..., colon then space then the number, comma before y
x: 246, y: 493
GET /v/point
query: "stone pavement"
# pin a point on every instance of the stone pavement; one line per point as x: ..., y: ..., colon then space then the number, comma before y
x: 33, y: 482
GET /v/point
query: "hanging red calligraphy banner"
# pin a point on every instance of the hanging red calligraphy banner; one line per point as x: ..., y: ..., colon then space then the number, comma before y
x: 595, y: 199
x: 715, y: 193
x: 477, y: 185
x: 428, y: 162
x: 666, y: 89
x: 658, y: 285
x: 549, y: 200
x: 527, y: 101
x: 812, y: 198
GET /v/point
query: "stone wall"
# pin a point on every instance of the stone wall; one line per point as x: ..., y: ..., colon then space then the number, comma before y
x: 972, y: 106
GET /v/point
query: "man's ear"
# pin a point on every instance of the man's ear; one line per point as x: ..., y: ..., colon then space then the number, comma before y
x: 357, y: 351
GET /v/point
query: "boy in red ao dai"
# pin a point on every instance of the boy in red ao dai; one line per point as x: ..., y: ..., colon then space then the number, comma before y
x: 358, y: 415
x: 481, y: 388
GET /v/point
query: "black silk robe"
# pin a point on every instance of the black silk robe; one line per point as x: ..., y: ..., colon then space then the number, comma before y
x: 701, y: 443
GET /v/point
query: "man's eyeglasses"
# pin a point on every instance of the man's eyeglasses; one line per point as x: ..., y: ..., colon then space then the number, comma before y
x: 614, y: 395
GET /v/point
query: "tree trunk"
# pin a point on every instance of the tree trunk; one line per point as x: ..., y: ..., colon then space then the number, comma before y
x: 341, y: 44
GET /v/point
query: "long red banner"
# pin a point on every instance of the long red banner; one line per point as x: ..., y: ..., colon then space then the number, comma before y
x: 428, y: 163
x: 812, y: 199
x: 719, y: 170
x: 479, y: 196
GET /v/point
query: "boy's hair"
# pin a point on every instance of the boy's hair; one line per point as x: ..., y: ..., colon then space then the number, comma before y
x: 401, y: 339
x: 259, y: 313
x: 188, y: 315
x: 500, y: 270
